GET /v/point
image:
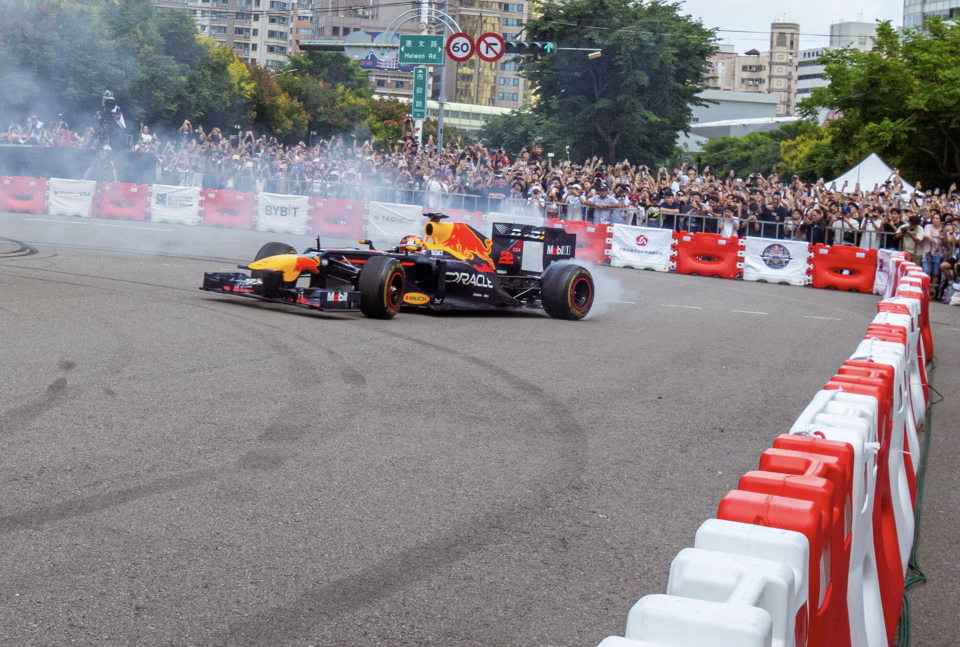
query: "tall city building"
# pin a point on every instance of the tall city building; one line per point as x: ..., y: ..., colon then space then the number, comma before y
x: 784, y: 47
x: 258, y: 31
x: 810, y: 70
x: 915, y: 11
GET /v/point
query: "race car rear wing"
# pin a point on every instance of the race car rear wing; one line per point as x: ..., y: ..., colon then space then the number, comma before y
x: 525, y: 248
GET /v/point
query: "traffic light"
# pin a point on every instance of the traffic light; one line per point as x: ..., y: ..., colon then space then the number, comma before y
x: 528, y: 48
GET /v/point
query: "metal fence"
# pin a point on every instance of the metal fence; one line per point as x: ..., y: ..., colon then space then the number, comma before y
x: 653, y: 217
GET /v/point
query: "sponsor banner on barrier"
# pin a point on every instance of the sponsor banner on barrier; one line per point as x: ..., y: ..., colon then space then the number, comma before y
x: 391, y: 222
x: 284, y: 214
x: 776, y: 261
x: 175, y: 204
x: 641, y: 248
x: 882, y: 276
x: 71, y: 197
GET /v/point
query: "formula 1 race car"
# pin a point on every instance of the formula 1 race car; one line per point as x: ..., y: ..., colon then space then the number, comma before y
x: 452, y: 267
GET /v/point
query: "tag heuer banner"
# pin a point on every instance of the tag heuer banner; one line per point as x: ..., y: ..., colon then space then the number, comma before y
x: 776, y: 261
x: 641, y: 248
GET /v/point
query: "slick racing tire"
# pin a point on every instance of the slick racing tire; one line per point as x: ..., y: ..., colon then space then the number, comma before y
x: 381, y: 287
x: 567, y: 291
x: 271, y: 249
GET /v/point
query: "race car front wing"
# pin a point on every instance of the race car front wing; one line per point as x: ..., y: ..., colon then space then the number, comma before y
x: 239, y: 284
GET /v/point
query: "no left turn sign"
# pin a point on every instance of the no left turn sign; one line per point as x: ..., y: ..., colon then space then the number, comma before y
x: 490, y: 47
x: 460, y: 47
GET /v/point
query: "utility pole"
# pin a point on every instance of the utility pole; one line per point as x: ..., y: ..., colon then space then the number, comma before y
x: 443, y: 89
x: 424, y: 14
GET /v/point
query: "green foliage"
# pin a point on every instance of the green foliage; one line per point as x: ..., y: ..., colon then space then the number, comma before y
x: 901, y: 101
x: 756, y: 152
x: 386, y: 119
x: 516, y: 129
x: 60, y: 55
x: 450, y: 133
x: 812, y: 156
x: 630, y: 102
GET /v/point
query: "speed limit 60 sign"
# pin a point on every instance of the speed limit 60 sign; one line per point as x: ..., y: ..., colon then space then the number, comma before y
x: 460, y: 47
x: 490, y: 47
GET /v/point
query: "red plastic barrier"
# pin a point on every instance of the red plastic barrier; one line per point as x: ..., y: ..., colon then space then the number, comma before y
x: 118, y: 201
x: 339, y: 219
x: 228, y: 209
x: 844, y: 267
x: 785, y: 513
x: 922, y: 294
x: 709, y: 255
x: 472, y: 218
x: 593, y: 241
x: 879, y: 384
x: 23, y: 195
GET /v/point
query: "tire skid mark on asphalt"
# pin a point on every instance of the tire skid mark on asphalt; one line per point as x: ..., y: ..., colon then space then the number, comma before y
x: 384, y: 579
x: 254, y: 459
x: 18, y: 417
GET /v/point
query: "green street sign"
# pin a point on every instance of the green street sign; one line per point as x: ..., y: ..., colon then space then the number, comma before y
x: 421, y: 50
x: 419, y: 93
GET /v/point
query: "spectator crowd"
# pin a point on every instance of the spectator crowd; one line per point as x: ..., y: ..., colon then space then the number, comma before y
x: 474, y: 177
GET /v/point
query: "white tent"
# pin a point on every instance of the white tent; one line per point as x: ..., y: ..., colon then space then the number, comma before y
x: 868, y: 173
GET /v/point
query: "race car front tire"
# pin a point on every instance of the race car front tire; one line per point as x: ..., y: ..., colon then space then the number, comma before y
x: 271, y: 249
x: 381, y: 287
x: 567, y: 291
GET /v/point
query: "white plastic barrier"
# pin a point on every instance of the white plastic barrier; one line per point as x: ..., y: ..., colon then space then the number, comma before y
x: 892, y: 355
x: 722, y: 577
x: 284, y: 214
x: 668, y: 620
x: 486, y: 227
x: 642, y: 248
x: 786, y: 547
x: 892, y: 276
x: 385, y: 221
x: 882, y: 276
x: 914, y: 357
x: 71, y: 197
x: 776, y: 261
x: 179, y: 205
x: 852, y: 418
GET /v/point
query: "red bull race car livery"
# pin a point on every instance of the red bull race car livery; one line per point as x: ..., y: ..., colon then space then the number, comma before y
x: 450, y: 267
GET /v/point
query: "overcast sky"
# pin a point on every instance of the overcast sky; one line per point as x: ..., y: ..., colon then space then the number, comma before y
x: 813, y: 16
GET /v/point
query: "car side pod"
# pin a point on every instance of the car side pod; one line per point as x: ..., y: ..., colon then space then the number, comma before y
x: 722, y: 577
x: 670, y: 621
x: 850, y: 420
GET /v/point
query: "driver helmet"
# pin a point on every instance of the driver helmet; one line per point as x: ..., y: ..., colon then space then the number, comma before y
x: 412, y: 241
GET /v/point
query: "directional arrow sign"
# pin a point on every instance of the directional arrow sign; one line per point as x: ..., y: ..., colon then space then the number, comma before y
x: 549, y: 47
x: 490, y: 47
x: 421, y: 50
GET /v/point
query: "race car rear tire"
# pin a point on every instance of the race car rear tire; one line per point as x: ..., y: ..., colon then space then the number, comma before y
x: 271, y: 249
x: 381, y: 287
x: 567, y: 291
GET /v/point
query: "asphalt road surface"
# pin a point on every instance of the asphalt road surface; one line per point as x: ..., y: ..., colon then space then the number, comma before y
x: 181, y: 468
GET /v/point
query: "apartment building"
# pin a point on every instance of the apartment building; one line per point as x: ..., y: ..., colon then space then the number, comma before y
x: 916, y: 11
x: 258, y: 31
x: 784, y: 47
x: 810, y: 70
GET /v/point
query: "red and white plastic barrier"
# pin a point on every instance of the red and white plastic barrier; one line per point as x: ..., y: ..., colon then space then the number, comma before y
x: 593, y: 241
x: 23, y: 195
x: 119, y: 201
x: 228, y: 209
x: 709, y: 255
x: 812, y: 548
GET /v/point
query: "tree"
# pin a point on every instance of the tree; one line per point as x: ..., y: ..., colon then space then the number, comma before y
x: 273, y: 109
x: 756, y: 152
x: 516, y: 129
x: 901, y: 101
x: 638, y: 94
x: 811, y: 156
x: 386, y: 119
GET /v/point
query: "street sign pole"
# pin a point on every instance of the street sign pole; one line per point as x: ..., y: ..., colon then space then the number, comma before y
x: 443, y: 92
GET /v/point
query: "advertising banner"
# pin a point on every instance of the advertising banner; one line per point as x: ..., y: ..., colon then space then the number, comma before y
x: 390, y: 222
x: 882, y: 276
x: 179, y: 205
x: 642, y: 248
x: 71, y: 197
x: 284, y: 214
x: 776, y: 261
